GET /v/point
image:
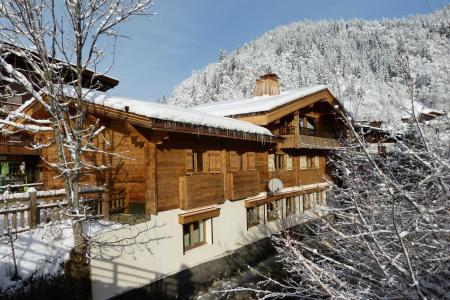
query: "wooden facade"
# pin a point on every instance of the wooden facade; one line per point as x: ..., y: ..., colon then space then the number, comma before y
x: 164, y: 165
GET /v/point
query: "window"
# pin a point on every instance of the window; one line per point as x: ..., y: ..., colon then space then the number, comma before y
x: 251, y: 161
x: 289, y: 162
x: 253, y: 216
x: 273, y: 210
x: 271, y: 162
x: 303, y: 163
x: 316, y: 162
x: 194, y: 161
x: 240, y: 161
x: 279, y: 161
x: 309, y: 162
x: 290, y: 205
x: 215, y: 162
x: 194, y: 234
x: 306, y: 202
x: 318, y: 197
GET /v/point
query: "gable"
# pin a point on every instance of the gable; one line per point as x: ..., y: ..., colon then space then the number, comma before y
x: 288, y: 108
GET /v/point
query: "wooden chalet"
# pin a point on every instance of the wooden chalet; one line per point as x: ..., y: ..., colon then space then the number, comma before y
x: 19, y: 163
x: 304, y: 118
x: 218, y: 176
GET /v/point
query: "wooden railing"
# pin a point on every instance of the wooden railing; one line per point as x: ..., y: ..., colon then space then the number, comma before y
x: 15, y: 144
x: 23, y: 211
x: 242, y: 184
x: 307, y: 138
x: 318, y: 142
x: 15, y: 140
x: 201, y: 189
x: 284, y: 130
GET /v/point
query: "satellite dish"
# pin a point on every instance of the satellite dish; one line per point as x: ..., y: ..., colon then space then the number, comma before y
x: 275, y: 185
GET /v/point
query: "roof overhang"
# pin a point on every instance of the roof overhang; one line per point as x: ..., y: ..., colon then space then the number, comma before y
x: 267, y: 117
x: 163, y: 125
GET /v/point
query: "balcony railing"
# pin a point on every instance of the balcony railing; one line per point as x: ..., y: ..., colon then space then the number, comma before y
x: 15, y: 144
x: 201, y: 189
x: 307, y: 138
x: 284, y: 130
x: 242, y: 184
x: 309, y: 131
x: 14, y: 140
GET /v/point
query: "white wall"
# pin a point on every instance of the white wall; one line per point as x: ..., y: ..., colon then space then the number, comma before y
x: 156, y: 252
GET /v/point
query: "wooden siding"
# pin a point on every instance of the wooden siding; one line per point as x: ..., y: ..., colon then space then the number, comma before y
x: 242, y: 184
x: 152, y: 167
x: 171, y: 166
x: 201, y: 189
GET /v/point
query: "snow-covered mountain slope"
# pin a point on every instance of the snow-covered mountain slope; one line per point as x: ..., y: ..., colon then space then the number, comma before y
x: 369, y: 65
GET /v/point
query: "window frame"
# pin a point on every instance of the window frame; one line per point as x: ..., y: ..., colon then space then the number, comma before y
x: 279, y: 158
x: 191, y: 233
x: 258, y: 216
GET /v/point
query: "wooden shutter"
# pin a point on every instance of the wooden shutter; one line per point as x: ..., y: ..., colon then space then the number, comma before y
x: 205, y: 162
x: 288, y: 162
x: 303, y: 163
x: 215, y: 162
x: 189, y: 162
x: 233, y: 161
x: 271, y: 162
x: 316, y: 162
x: 251, y: 161
x: 244, y: 162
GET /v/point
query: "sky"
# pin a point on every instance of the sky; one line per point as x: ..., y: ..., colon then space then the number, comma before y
x: 183, y: 36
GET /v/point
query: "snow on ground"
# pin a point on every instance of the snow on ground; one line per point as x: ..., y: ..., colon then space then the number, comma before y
x: 40, y: 252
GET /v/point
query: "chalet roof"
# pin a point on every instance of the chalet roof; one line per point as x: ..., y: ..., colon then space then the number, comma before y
x: 91, y: 77
x: 173, y: 115
x: 257, y: 104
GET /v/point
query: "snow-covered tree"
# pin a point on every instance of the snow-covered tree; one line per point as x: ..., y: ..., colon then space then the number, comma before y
x: 362, y: 61
x: 386, y: 233
x: 59, y: 42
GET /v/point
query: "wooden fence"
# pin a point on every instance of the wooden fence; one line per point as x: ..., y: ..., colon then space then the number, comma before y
x: 22, y: 211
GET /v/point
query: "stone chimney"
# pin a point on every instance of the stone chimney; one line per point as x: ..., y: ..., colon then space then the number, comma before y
x: 267, y: 85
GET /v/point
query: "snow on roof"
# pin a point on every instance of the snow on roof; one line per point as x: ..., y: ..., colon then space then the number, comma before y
x: 422, y: 109
x: 179, y: 114
x: 165, y: 112
x: 256, y: 104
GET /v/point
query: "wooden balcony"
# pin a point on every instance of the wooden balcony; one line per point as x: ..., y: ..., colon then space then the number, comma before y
x: 242, y: 184
x: 306, y: 138
x: 199, y: 190
x: 17, y: 145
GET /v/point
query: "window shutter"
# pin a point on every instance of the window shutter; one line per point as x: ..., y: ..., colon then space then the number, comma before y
x: 244, y: 162
x: 189, y: 162
x: 271, y: 158
x: 303, y: 163
x: 205, y: 161
x: 316, y: 162
x: 233, y: 161
x: 251, y: 161
x: 288, y: 162
x: 215, y: 162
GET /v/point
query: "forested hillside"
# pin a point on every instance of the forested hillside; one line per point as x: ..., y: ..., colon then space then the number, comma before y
x: 369, y: 65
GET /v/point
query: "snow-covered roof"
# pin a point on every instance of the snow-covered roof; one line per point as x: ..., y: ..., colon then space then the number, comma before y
x: 165, y: 112
x: 419, y: 109
x: 256, y: 104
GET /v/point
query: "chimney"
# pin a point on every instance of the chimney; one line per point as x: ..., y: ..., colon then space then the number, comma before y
x: 267, y: 85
